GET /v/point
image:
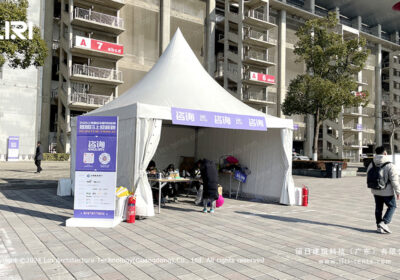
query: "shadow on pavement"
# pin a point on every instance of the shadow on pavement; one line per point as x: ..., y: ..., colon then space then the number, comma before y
x: 296, y: 220
x: 22, y: 183
x: 49, y: 198
x: 33, y: 213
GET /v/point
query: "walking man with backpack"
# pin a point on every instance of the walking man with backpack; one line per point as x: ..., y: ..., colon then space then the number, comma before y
x: 383, y: 181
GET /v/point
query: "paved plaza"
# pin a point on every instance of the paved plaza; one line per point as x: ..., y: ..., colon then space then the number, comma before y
x: 333, y: 238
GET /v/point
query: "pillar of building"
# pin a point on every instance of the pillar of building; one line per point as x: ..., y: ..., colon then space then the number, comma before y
x: 165, y: 24
x: 337, y: 11
x: 357, y: 22
x: 281, y: 92
x: 377, y: 30
x: 378, y: 95
x: 210, y: 37
x: 47, y: 74
x: 394, y: 37
x: 226, y: 43
x: 310, y: 5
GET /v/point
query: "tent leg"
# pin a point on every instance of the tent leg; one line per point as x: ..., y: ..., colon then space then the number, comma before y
x: 237, y: 192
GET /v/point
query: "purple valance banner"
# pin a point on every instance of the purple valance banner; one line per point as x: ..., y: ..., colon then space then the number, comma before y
x: 218, y: 120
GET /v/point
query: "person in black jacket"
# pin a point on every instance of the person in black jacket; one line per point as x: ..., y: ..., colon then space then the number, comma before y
x: 38, y: 157
x: 209, y: 175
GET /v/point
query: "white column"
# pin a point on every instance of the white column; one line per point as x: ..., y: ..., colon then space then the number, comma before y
x: 165, y: 24
x: 281, y: 91
x: 378, y: 95
x: 210, y: 37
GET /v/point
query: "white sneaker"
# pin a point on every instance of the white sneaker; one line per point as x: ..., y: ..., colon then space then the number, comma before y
x: 380, y: 230
x: 385, y: 227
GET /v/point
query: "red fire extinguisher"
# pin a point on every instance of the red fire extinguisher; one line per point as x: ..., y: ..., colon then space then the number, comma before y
x: 305, y: 196
x: 131, y: 210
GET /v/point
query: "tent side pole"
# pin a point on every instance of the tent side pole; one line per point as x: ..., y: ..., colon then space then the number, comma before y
x: 136, y: 154
x: 196, y: 142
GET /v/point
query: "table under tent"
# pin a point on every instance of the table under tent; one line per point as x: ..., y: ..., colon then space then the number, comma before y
x: 147, y: 131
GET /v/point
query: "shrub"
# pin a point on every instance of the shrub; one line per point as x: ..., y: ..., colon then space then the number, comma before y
x: 55, y: 157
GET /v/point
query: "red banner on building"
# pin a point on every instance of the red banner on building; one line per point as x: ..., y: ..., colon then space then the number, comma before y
x: 260, y: 77
x: 98, y: 45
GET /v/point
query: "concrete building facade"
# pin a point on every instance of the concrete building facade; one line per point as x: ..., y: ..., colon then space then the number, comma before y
x: 356, y: 130
x: 21, y: 98
x: 101, y: 48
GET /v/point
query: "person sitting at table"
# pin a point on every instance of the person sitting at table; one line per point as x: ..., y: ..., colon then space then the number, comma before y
x: 171, y: 189
x: 151, y: 168
x: 209, y: 175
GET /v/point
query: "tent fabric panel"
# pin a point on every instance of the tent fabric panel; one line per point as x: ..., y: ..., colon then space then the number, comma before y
x: 147, y: 140
x: 176, y: 142
x: 259, y: 151
x: 287, y: 194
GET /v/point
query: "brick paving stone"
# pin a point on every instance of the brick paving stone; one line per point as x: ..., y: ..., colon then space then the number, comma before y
x: 32, y: 226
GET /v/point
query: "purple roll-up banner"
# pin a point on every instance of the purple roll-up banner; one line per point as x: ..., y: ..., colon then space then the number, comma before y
x: 13, y: 148
x: 95, y: 167
x: 218, y: 120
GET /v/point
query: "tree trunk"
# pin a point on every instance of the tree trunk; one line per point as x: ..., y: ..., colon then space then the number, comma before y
x: 317, y: 125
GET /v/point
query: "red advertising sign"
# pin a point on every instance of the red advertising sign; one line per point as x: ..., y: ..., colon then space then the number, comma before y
x: 358, y: 93
x: 107, y: 47
x: 97, y: 45
x: 260, y: 77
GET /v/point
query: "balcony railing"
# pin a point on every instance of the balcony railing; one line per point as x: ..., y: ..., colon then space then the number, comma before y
x: 320, y: 11
x: 91, y: 99
x: 260, y: 16
x: 233, y: 68
x: 54, y: 93
x: 352, y: 110
x: 260, y: 56
x: 259, y: 96
x: 99, y: 17
x: 259, y: 36
x: 385, y: 36
x: 97, y: 72
x: 55, y: 45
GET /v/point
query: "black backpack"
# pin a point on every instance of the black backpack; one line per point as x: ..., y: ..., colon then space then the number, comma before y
x: 375, y: 179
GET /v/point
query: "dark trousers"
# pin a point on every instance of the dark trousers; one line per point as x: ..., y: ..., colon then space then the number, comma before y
x: 390, y: 202
x: 37, y: 163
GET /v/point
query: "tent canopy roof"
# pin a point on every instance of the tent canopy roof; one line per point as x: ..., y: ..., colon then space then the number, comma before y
x: 179, y: 80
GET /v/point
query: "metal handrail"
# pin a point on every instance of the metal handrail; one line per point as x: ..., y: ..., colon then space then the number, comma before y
x: 259, y: 55
x: 99, y: 17
x: 92, y: 99
x: 97, y: 72
x: 259, y: 95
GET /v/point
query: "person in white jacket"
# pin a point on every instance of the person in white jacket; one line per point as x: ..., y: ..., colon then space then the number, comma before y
x: 387, y: 195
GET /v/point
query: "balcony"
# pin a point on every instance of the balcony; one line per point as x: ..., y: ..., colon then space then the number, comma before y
x: 88, y: 101
x: 352, y: 145
x: 98, y: 21
x: 352, y: 127
x: 92, y: 47
x: 259, y: 97
x: 353, y: 112
x: 362, y: 82
x: 87, y: 73
x: 54, y: 94
x: 260, y: 20
x: 258, y: 58
x: 114, y: 4
x: 258, y: 39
